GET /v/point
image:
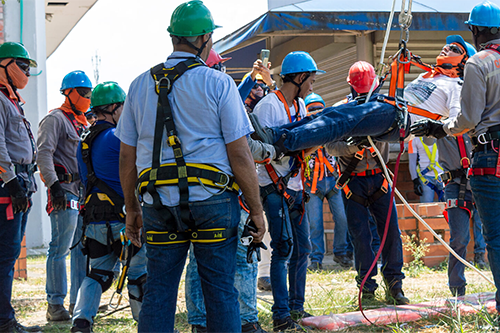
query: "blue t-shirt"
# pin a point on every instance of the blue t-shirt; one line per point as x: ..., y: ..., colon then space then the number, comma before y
x: 245, y: 87
x: 208, y: 114
x: 105, y: 156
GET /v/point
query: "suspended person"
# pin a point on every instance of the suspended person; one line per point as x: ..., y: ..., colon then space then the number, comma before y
x: 104, y: 221
x: 368, y: 192
x: 208, y: 133
x: 282, y: 194
x: 425, y: 170
x: 246, y: 273
x: 58, y: 137
x: 17, y: 166
x: 320, y: 179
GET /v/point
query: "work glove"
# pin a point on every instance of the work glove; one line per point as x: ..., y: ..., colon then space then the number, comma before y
x: 58, y: 197
x: 246, y: 239
x: 359, y: 141
x: 428, y: 127
x: 20, y: 200
x: 418, y: 187
x: 279, y: 147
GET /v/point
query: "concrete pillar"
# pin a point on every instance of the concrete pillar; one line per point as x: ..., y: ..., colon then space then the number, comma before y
x: 32, y: 26
x: 364, y: 47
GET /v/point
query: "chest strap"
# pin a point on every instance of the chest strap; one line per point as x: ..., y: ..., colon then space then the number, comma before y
x: 348, y: 173
x: 487, y: 139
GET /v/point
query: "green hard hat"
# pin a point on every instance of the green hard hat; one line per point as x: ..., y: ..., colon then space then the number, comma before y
x: 16, y: 51
x: 107, y: 93
x: 191, y: 19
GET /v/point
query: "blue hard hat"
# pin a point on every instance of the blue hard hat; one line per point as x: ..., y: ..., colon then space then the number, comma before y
x: 299, y: 62
x: 485, y: 14
x: 76, y: 79
x: 313, y: 98
x: 471, y: 50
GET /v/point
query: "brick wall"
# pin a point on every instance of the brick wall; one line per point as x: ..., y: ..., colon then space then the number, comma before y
x: 20, y: 268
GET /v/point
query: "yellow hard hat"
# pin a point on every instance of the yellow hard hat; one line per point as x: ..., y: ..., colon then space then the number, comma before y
x: 257, y: 77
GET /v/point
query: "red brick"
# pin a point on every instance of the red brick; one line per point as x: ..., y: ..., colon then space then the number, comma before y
x: 407, y: 224
x: 435, y: 209
x: 434, y: 223
x: 430, y: 237
x: 433, y: 261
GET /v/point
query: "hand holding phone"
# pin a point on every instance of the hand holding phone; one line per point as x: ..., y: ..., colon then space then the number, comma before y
x: 264, y: 56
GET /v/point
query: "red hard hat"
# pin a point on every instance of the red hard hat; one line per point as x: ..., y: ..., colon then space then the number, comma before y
x: 361, y: 76
x: 214, y: 58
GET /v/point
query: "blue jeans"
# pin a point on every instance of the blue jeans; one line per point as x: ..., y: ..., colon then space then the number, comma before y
x: 458, y: 219
x: 216, y: 266
x: 314, y: 210
x: 66, y: 231
x: 486, y: 192
x: 245, y: 282
x: 89, y: 295
x: 11, y: 236
x: 335, y: 123
x: 429, y: 192
x: 359, y: 229
x: 477, y: 229
x: 291, y: 247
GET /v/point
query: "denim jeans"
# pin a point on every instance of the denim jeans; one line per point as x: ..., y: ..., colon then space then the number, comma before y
x: 89, y: 295
x: 477, y: 229
x: 291, y: 247
x: 335, y: 123
x: 361, y: 236
x: 216, y: 266
x: 486, y: 192
x: 428, y: 191
x: 245, y: 282
x: 11, y: 236
x: 458, y: 220
x: 314, y: 211
x: 66, y: 231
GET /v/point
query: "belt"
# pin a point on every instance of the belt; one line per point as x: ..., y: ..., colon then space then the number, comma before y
x: 452, y: 174
x: 493, y: 133
x: 28, y: 168
x: 367, y: 172
x: 73, y: 204
x: 68, y: 177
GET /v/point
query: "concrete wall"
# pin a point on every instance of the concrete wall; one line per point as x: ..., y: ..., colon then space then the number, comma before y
x: 35, y: 95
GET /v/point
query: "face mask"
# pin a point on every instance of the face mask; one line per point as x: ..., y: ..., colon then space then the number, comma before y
x: 82, y: 104
x: 18, y: 76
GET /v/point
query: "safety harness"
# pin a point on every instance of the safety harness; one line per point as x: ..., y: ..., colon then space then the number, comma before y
x: 179, y: 173
x: 448, y: 176
x: 321, y: 168
x: 348, y: 173
x: 433, y: 166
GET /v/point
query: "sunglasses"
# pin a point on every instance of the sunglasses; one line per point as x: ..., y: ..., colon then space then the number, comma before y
x: 257, y: 85
x: 25, y: 67
x: 219, y: 67
x: 84, y: 92
x: 454, y: 48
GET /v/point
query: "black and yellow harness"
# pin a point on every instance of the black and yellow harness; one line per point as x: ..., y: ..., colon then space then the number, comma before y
x: 179, y: 173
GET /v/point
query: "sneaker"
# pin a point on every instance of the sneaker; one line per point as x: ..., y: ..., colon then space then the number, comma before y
x: 198, y: 329
x: 479, y: 261
x: 343, y: 260
x: 81, y: 326
x: 397, y: 297
x: 298, y: 315
x: 252, y: 328
x: 286, y: 325
x: 264, y: 283
x: 315, y: 266
x: 57, y: 312
x: 102, y: 308
x: 263, y: 134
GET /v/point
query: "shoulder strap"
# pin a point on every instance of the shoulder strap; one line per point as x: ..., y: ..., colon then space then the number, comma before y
x: 71, y: 117
x: 282, y: 99
x: 164, y: 79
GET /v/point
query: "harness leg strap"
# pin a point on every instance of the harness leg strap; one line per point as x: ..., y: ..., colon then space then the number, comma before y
x: 105, y: 278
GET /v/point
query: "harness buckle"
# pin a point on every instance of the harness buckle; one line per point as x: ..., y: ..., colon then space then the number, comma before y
x: 70, y: 178
x: 73, y: 204
x: 481, y: 138
x: 358, y: 156
x: 451, y: 203
x: 173, y: 140
x: 348, y: 194
x: 158, y: 83
x: 223, y: 181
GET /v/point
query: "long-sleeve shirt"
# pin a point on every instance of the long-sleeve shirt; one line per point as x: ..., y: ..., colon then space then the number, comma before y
x: 15, y: 143
x: 345, y: 154
x: 57, y: 144
x: 480, y: 98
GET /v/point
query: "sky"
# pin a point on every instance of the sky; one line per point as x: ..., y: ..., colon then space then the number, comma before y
x: 130, y: 36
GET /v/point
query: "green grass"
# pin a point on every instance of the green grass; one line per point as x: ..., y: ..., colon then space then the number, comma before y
x: 327, y: 292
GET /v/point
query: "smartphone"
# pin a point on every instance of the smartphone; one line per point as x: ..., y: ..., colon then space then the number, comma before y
x: 264, y: 56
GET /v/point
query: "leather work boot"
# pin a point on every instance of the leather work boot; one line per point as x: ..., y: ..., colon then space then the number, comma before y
x: 315, y: 266
x: 263, y: 134
x: 264, y: 283
x: 57, y: 312
x: 479, y: 261
x: 81, y: 326
x: 343, y: 260
x: 397, y: 297
x: 298, y: 315
x: 252, y: 328
x: 14, y: 327
x: 286, y: 325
